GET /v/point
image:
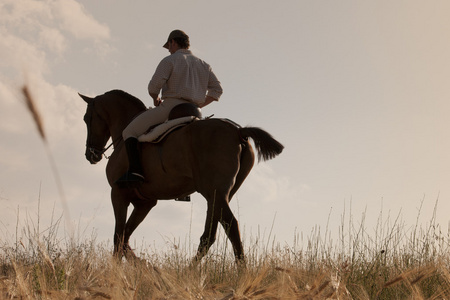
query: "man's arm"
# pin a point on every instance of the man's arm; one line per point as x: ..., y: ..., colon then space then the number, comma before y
x: 208, y: 100
x: 159, y: 78
x: 214, y: 89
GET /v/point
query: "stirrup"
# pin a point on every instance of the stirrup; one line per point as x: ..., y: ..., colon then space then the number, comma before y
x: 184, y: 199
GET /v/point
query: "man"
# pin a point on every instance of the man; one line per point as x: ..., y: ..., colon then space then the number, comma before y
x: 182, y: 78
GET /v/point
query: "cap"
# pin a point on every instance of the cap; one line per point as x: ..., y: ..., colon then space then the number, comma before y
x: 175, y: 34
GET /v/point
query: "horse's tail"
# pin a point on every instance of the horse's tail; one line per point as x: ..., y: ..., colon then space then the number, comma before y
x: 266, y: 146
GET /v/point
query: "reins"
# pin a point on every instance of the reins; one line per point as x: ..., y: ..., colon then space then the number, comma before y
x: 104, y: 150
x: 120, y: 139
x: 92, y: 149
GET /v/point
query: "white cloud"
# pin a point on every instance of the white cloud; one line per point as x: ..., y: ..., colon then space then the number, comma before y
x: 52, y: 39
x: 19, y: 54
x: 59, y: 105
x: 25, y: 13
x: 42, y: 24
x: 78, y: 22
x: 32, y: 32
x: 267, y: 186
x: 10, y: 122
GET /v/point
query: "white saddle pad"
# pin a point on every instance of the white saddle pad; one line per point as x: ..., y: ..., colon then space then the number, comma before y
x: 160, y: 131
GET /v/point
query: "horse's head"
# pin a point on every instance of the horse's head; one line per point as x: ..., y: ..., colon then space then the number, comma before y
x: 97, y: 131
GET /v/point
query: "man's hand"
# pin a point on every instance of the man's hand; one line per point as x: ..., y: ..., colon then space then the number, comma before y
x: 156, y: 99
x: 208, y: 100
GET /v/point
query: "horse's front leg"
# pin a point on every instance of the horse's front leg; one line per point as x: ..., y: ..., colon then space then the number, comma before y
x: 140, y: 211
x: 120, y: 206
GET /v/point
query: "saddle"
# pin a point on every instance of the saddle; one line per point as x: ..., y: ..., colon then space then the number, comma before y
x: 181, y: 115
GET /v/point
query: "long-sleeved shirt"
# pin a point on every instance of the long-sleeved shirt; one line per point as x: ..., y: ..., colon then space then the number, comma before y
x: 182, y: 75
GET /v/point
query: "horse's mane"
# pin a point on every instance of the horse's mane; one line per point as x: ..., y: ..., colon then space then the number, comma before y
x: 127, y: 96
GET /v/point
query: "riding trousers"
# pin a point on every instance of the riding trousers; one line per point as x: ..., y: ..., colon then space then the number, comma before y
x: 150, y: 117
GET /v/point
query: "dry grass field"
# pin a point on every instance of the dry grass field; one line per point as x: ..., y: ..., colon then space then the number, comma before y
x: 393, y: 263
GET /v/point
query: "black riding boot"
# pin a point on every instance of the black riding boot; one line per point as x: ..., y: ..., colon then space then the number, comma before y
x: 134, y: 174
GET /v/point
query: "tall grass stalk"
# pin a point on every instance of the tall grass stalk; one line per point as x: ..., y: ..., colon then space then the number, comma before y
x: 35, y: 114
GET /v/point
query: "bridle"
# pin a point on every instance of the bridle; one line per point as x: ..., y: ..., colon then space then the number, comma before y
x: 97, y: 152
x: 92, y: 149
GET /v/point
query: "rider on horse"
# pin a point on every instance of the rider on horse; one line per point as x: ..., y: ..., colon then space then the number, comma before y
x: 182, y: 78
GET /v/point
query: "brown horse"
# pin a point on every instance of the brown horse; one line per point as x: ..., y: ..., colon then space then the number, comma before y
x: 211, y: 157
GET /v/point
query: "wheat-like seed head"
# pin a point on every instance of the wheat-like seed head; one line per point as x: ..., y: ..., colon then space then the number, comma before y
x: 34, y: 112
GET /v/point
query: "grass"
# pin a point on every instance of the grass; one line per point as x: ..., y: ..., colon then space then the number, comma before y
x: 391, y: 263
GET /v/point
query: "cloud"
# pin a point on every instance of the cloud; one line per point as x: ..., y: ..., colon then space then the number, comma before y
x: 25, y: 13
x: 47, y: 26
x: 265, y: 185
x: 75, y: 20
x: 68, y: 15
x: 53, y: 39
x: 17, y: 54
x: 32, y: 33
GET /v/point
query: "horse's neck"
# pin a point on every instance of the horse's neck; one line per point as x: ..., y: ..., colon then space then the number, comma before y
x: 118, y: 114
x: 116, y: 128
x: 116, y: 132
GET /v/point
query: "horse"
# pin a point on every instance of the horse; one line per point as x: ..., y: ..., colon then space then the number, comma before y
x: 208, y: 156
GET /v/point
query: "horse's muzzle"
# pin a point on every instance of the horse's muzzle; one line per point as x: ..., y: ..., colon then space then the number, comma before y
x: 93, y: 155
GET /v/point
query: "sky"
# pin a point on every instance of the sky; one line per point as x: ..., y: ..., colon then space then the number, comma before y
x: 356, y: 91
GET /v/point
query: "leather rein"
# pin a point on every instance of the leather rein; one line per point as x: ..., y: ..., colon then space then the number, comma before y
x: 94, y: 150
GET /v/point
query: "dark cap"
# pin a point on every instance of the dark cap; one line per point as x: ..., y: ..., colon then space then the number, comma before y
x: 176, y: 34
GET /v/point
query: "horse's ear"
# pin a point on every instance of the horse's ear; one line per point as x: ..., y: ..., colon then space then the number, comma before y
x: 86, y: 98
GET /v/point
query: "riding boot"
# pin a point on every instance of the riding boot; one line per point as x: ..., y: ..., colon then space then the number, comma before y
x: 134, y: 174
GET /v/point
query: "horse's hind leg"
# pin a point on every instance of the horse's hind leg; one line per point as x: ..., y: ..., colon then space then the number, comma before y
x: 245, y: 166
x: 231, y: 227
x: 219, y: 211
x: 209, y: 235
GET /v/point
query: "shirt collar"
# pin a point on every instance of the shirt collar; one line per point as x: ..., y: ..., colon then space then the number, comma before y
x: 186, y: 51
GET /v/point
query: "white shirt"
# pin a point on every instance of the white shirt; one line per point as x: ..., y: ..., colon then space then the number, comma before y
x: 182, y: 75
